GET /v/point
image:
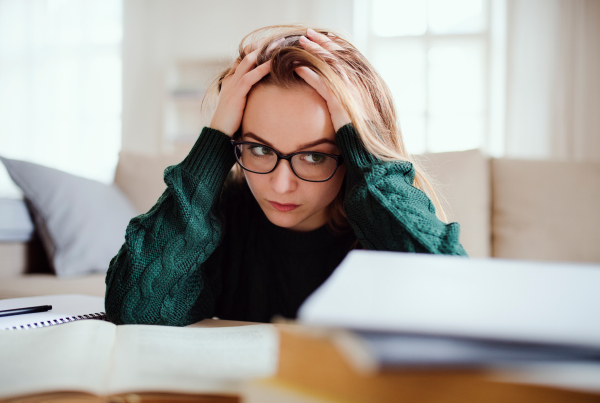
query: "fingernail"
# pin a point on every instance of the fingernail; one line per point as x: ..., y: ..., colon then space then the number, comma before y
x: 311, y: 31
x: 303, y: 39
x: 274, y: 44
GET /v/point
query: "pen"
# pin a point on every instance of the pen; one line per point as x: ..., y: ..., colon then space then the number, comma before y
x: 22, y: 311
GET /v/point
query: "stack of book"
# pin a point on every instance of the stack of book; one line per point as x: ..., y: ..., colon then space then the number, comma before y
x: 390, y: 327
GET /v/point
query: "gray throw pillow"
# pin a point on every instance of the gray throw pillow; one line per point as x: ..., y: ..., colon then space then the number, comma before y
x: 81, y: 222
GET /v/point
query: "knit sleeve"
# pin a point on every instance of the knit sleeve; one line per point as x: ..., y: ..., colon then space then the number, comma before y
x: 383, y: 207
x: 158, y: 276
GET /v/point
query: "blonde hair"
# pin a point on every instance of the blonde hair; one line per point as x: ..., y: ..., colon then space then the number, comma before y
x: 374, y: 116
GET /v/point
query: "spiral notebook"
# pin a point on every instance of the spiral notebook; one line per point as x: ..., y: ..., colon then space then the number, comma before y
x: 65, y: 309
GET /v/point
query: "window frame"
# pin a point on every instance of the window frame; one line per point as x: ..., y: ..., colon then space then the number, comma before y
x: 365, y: 39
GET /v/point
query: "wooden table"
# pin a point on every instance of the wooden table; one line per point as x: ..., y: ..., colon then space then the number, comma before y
x: 312, y: 367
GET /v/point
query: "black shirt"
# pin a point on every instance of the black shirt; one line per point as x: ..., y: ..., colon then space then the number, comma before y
x: 267, y: 270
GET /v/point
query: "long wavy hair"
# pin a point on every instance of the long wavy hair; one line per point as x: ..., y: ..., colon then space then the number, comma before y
x: 374, y: 116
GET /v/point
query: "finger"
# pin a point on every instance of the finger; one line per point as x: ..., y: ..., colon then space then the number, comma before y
x: 248, y: 49
x: 322, y: 40
x: 254, y: 76
x: 274, y: 44
x: 339, y: 116
x: 247, y: 64
x: 232, y: 69
x: 315, y: 81
x: 251, y: 47
x: 311, y: 46
x: 249, y: 61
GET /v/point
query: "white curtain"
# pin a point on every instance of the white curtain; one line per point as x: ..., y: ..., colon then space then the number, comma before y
x: 60, y: 84
x: 576, y: 123
x: 553, y: 79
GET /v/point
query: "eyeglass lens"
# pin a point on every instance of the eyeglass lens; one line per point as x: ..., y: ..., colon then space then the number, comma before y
x: 307, y: 165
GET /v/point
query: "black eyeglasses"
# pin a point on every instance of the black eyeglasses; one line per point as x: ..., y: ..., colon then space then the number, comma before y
x: 306, y: 165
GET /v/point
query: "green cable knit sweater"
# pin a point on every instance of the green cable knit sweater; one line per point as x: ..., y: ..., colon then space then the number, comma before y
x: 206, y: 248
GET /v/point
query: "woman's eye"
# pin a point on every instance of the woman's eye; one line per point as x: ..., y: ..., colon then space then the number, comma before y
x: 261, y: 150
x: 314, y: 158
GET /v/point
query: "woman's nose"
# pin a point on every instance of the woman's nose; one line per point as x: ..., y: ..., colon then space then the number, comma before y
x: 283, y: 179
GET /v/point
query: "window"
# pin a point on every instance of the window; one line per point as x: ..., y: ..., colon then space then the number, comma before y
x: 60, y: 84
x: 435, y: 57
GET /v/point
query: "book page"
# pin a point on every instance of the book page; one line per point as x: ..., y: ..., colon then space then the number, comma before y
x: 68, y: 357
x: 193, y: 360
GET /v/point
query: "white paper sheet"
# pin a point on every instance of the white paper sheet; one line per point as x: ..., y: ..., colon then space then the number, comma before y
x: 64, y: 307
x: 450, y: 295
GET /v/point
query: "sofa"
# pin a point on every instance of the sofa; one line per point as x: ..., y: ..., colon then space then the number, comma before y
x: 507, y: 208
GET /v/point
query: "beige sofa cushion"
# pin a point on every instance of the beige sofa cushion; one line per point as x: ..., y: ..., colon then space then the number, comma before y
x: 140, y: 176
x: 546, y: 210
x: 18, y: 258
x: 462, y: 180
x: 14, y: 259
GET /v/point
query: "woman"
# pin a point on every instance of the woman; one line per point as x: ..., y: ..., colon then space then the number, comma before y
x: 321, y: 169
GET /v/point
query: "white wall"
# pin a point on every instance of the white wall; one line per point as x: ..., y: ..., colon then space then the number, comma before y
x: 159, y: 32
x: 531, y: 52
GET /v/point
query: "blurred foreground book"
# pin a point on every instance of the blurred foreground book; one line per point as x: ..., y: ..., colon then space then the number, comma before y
x: 412, y: 327
x: 490, y: 299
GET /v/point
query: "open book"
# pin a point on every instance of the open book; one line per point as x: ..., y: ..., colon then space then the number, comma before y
x: 99, y: 358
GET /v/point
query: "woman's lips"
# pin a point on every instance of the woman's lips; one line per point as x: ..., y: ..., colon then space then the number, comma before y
x: 284, y: 207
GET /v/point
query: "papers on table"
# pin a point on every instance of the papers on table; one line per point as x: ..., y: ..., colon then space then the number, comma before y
x: 423, y: 310
x: 540, y: 302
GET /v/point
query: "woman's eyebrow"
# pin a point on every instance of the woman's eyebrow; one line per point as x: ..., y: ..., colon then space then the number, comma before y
x: 302, y: 146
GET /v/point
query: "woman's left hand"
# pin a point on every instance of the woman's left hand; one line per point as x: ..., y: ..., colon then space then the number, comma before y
x: 319, y: 43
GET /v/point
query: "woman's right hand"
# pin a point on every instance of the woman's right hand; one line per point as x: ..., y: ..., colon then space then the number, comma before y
x: 234, y: 91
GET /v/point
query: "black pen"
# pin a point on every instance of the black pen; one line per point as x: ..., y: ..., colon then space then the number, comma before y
x: 22, y: 311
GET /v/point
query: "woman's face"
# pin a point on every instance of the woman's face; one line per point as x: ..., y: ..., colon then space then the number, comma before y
x: 288, y: 120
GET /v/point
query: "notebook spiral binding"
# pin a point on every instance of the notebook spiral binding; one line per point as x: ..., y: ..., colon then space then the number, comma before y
x: 97, y: 316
